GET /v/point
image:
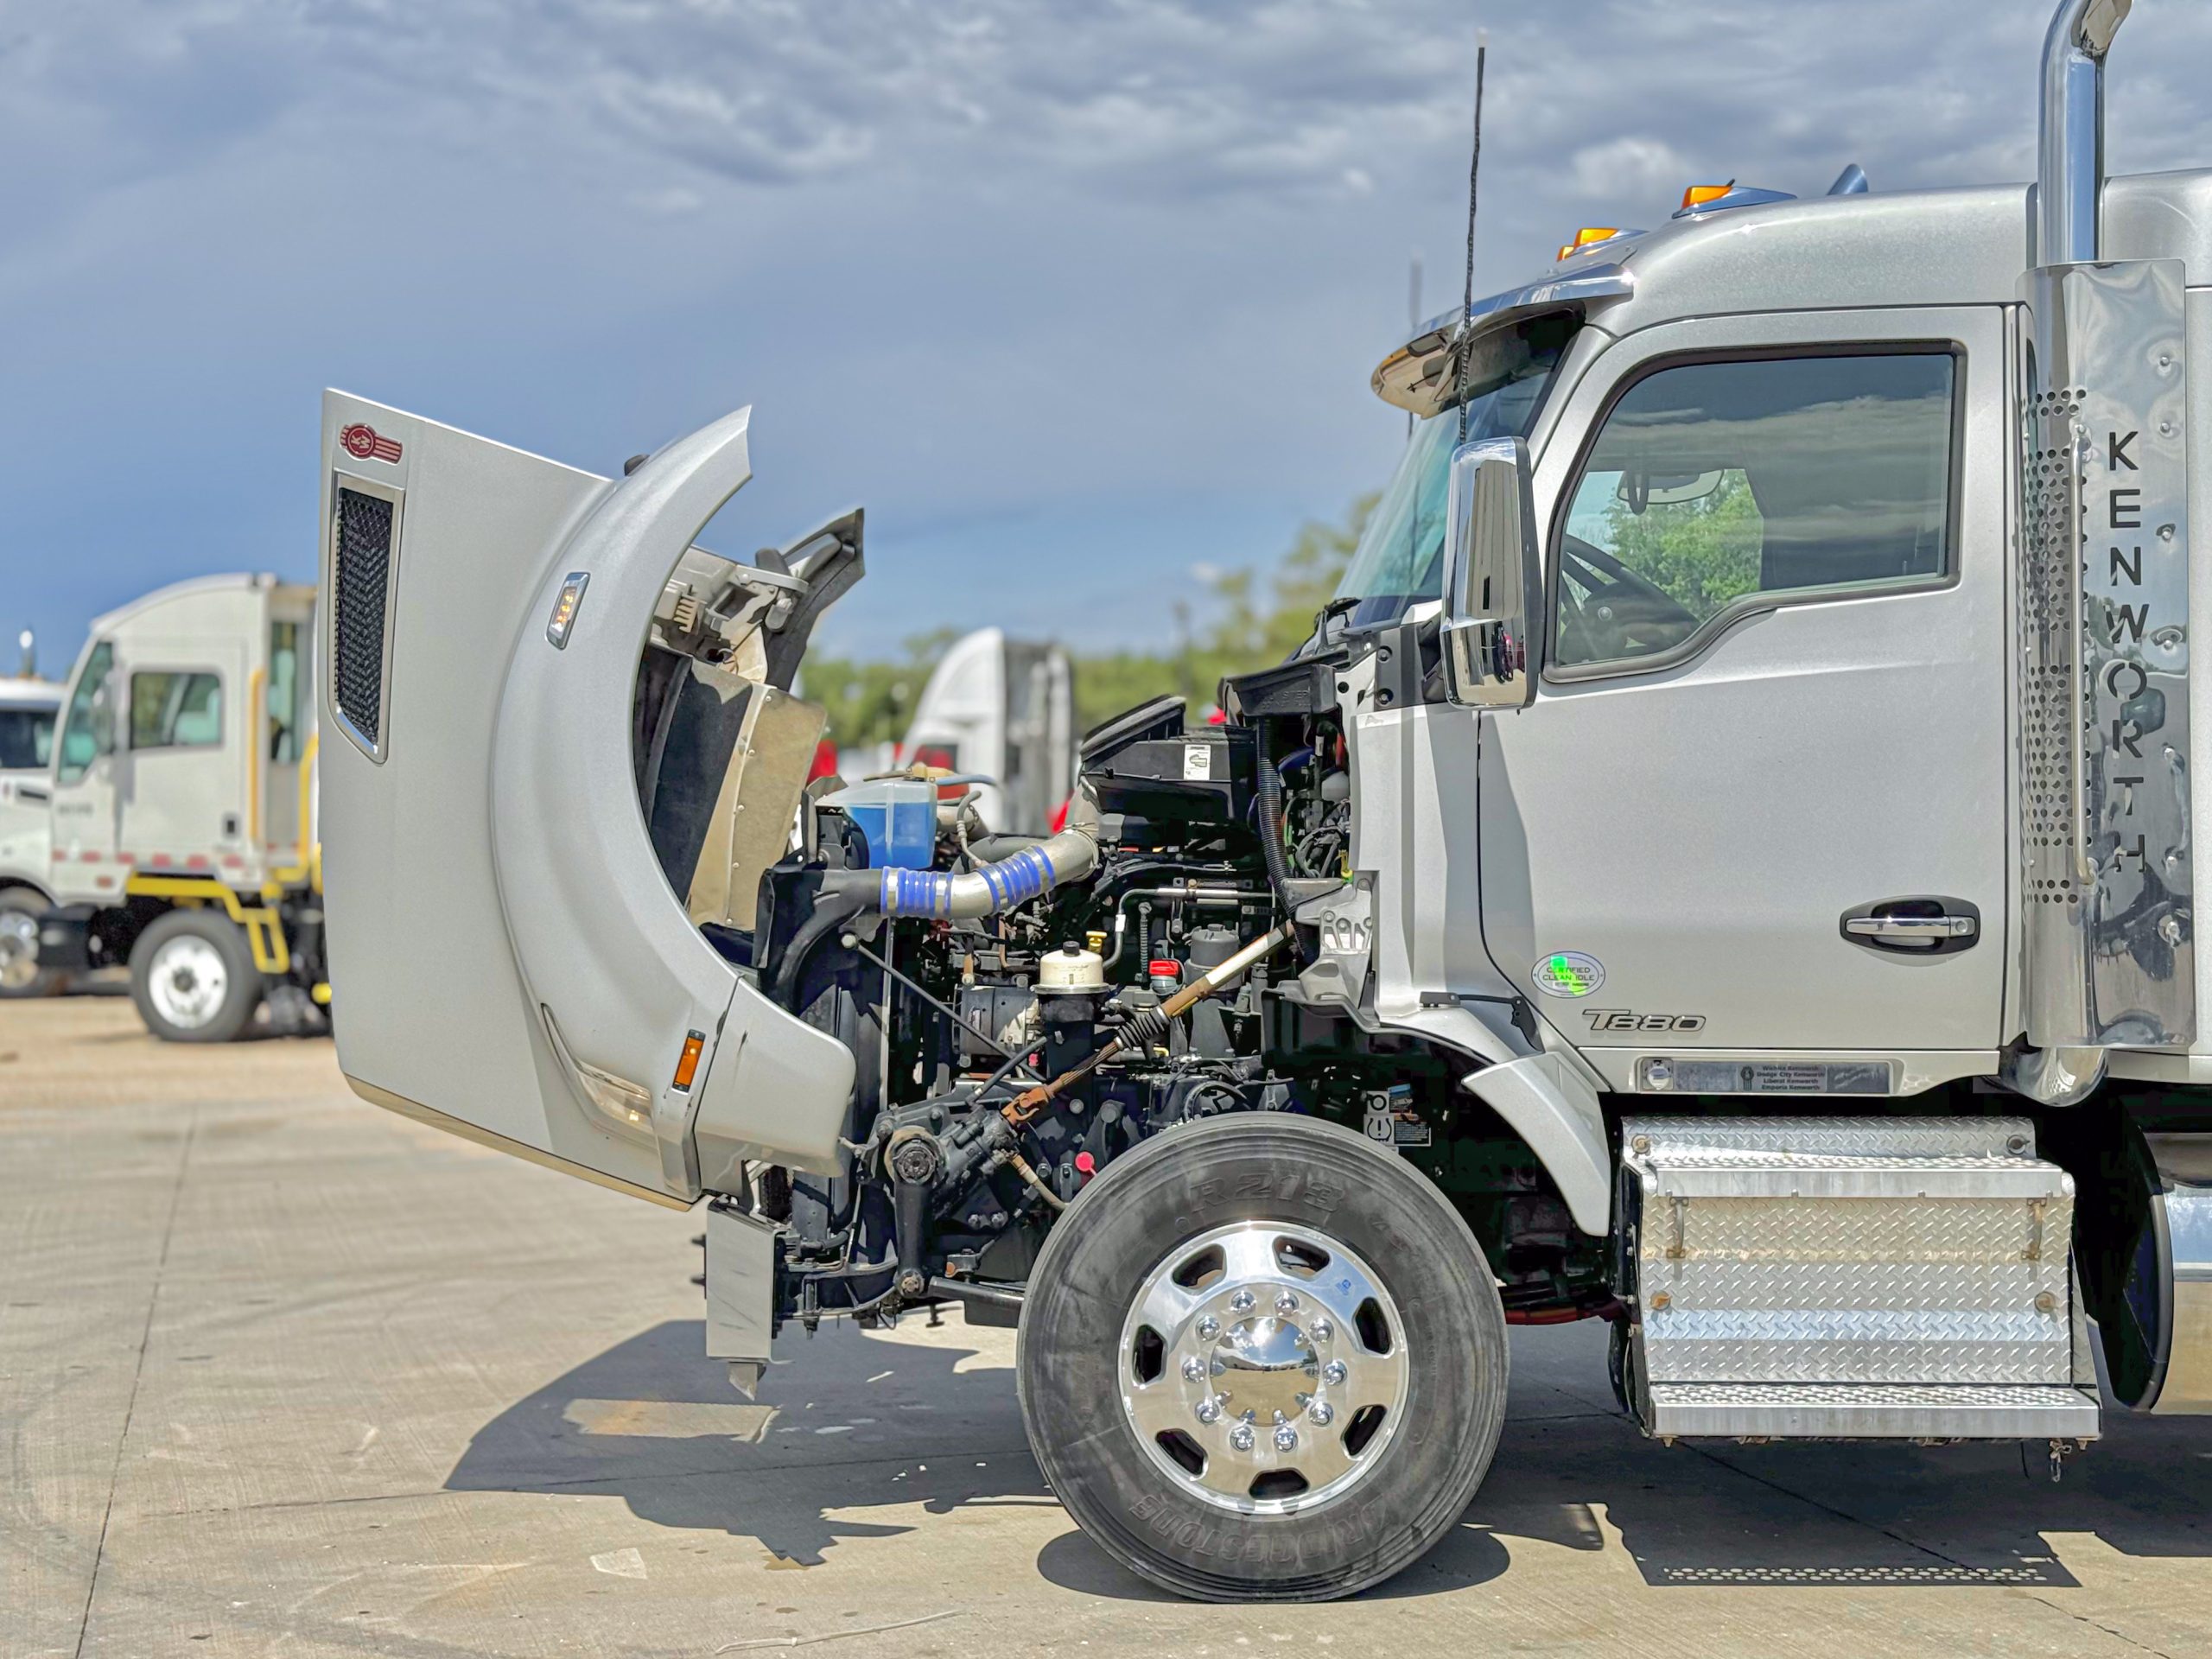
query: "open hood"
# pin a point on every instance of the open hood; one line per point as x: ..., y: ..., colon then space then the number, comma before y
x: 566, y: 734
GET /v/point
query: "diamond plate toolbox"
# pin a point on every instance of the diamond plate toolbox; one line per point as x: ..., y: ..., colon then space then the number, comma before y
x: 1850, y: 1250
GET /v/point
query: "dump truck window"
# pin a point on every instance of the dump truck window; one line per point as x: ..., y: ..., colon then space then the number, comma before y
x: 284, y: 693
x: 176, y: 711
x: 81, y: 736
x: 1713, y: 485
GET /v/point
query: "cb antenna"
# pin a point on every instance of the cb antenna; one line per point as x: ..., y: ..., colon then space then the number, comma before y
x: 1474, y: 176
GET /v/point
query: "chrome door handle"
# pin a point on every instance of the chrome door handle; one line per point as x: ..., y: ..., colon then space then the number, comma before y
x: 1928, y: 930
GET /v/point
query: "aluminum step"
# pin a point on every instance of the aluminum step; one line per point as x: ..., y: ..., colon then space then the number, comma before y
x: 1849, y: 1411
x: 1846, y: 1276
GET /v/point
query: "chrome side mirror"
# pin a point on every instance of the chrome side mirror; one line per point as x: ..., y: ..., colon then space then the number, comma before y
x: 1491, y: 577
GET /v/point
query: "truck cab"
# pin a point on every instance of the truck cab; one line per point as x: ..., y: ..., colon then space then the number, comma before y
x: 1002, y: 711
x: 180, y: 804
x: 28, y: 707
x: 1722, y: 866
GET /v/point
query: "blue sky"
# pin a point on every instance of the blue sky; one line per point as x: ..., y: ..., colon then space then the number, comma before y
x: 1077, y: 298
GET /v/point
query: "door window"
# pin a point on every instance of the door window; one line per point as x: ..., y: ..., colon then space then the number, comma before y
x: 85, y: 733
x: 284, y: 687
x: 1717, y: 488
x: 176, y: 711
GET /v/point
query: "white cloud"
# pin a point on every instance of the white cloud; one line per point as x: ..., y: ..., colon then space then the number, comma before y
x: 1628, y: 165
x: 1098, y: 282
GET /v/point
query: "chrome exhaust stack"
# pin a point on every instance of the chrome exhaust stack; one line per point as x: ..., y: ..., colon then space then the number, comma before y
x: 2071, y: 139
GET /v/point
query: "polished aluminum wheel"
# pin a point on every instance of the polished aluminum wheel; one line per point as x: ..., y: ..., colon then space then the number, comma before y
x: 18, y: 949
x: 187, y: 980
x: 1263, y: 1367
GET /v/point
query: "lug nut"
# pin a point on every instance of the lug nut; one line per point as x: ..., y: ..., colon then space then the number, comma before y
x: 1286, y: 1439
x: 1319, y: 1415
x: 1242, y: 1302
x: 1320, y: 1329
x: 1334, y: 1373
x: 1209, y: 1328
x: 1210, y: 1411
x: 1285, y: 1303
x: 1193, y: 1369
x: 1240, y: 1438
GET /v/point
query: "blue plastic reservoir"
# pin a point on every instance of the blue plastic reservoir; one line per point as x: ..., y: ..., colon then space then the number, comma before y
x: 897, y: 815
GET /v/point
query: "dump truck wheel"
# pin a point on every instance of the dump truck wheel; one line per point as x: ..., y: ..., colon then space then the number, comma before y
x: 1261, y: 1361
x: 19, y: 974
x: 193, y: 977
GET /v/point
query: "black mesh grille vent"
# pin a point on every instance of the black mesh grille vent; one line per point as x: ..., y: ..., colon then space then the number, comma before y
x: 359, y: 586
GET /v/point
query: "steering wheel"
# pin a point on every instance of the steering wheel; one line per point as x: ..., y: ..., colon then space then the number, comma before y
x: 1618, y: 613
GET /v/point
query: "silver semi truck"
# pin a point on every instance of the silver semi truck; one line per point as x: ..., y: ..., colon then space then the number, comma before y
x: 1724, y: 866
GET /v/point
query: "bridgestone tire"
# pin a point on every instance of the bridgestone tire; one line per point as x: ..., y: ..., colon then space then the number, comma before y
x: 20, y: 909
x: 243, y: 985
x: 1267, y: 1167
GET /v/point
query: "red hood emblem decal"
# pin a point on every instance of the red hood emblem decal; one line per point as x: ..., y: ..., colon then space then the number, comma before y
x: 362, y: 443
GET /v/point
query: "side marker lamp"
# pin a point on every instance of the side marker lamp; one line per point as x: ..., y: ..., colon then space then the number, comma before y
x: 687, y: 1064
x: 565, y: 607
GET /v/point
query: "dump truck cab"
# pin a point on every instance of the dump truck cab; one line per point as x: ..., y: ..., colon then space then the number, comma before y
x: 181, y: 804
x: 29, y: 709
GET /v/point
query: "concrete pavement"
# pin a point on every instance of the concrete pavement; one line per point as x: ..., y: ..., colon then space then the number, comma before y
x: 281, y: 1374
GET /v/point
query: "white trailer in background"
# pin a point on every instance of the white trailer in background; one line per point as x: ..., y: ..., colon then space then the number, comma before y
x: 181, y: 809
x: 1002, y: 709
x: 28, y: 711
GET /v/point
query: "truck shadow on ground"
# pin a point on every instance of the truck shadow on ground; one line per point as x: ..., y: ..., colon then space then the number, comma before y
x: 858, y: 1423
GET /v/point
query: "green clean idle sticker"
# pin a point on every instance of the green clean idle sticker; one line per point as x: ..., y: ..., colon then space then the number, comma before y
x: 1568, y: 973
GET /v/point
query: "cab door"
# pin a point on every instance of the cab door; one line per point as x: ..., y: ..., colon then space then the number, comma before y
x: 1759, y: 805
x: 85, y: 795
x: 509, y: 961
x: 181, y: 758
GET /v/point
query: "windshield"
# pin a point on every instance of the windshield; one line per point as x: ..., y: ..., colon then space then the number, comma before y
x: 26, y: 739
x: 1399, y: 558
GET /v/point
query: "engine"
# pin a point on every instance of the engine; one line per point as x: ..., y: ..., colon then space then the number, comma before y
x: 1026, y: 1009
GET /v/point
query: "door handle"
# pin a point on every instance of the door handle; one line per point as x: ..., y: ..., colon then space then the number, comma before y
x: 1914, y: 927
x: 1917, y: 930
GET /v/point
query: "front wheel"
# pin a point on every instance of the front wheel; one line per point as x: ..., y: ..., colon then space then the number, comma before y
x: 19, y: 974
x: 1260, y: 1361
x: 193, y: 977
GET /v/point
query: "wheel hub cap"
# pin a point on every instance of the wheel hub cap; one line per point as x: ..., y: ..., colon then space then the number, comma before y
x: 185, y: 981
x: 1267, y: 1367
x: 1264, y: 1367
x: 18, y: 949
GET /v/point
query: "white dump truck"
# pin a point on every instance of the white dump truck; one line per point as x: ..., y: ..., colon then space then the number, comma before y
x: 181, y: 807
x: 1724, y: 866
x: 1002, y: 710
x: 29, y: 707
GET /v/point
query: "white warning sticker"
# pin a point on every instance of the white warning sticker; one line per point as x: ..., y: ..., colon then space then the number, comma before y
x: 1198, y: 762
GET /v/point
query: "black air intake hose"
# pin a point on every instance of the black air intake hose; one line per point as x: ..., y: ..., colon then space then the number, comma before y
x: 1271, y: 825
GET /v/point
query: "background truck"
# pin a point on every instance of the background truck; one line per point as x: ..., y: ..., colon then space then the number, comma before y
x: 1002, y: 709
x: 27, y: 710
x: 181, y: 836
x: 1723, y: 865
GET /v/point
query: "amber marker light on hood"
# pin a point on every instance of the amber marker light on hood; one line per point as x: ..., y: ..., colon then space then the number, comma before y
x: 687, y: 1064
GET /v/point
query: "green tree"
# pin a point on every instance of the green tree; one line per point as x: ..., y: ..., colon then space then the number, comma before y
x: 1252, y: 621
x: 1701, y: 553
x: 873, y: 701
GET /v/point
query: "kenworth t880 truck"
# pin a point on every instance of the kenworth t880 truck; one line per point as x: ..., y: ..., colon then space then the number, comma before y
x: 1723, y: 866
